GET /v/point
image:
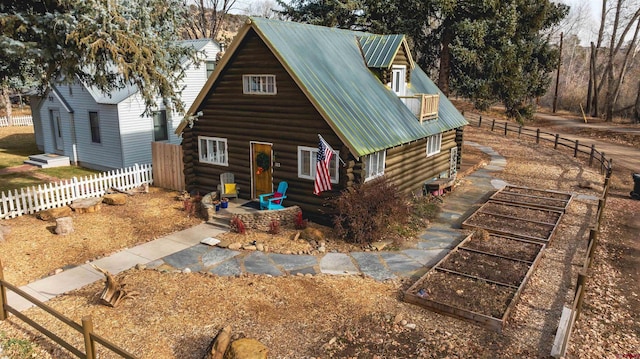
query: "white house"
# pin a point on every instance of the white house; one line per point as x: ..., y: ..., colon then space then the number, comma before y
x: 107, y: 131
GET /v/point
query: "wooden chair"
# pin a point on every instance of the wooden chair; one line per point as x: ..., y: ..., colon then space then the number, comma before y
x: 227, y: 187
x: 274, y: 200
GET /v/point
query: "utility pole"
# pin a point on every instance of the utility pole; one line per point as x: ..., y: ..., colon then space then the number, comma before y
x: 555, y: 96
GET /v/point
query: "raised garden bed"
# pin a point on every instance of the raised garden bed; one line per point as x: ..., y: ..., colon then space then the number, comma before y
x: 528, y: 220
x: 479, y: 281
x: 533, y: 197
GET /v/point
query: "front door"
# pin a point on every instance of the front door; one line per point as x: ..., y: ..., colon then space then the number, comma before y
x: 56, y: 126
x: 261, y: 169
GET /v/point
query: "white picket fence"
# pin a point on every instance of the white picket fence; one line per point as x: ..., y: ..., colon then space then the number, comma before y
x: 52, y: 195
x: 17, y: 121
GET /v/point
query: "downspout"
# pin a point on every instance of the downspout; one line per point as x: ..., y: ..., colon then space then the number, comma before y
x: 74, y: 146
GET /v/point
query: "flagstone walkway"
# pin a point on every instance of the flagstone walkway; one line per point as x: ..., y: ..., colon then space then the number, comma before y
x: 183, y: 251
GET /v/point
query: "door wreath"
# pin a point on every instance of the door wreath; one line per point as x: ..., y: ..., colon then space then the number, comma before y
x: 263, y: 161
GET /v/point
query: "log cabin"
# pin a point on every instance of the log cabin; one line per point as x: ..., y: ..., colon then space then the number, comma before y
x: 282, y: 84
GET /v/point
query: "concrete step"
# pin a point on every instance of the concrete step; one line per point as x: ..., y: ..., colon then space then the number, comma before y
x: 220, y: 222
x: 48, y: 161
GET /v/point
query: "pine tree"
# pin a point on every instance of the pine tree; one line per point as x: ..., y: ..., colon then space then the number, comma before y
x: 108, y: 44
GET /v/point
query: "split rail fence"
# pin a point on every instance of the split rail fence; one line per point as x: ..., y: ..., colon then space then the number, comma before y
x: 16, y: 121
x: 569, y: 314
x: 594, y: 156
x: 86, y: 328
x: 52, y: 195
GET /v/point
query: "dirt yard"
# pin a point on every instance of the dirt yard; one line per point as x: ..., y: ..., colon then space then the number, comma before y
x: 175, y: 315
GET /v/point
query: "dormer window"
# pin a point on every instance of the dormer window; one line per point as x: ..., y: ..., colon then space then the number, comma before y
x: 399, y: 79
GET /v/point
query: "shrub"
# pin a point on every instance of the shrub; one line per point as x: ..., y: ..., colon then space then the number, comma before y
x: 236, y: 225
x: 300, y: 223
x: 274, y: 227
x: 369, y: 212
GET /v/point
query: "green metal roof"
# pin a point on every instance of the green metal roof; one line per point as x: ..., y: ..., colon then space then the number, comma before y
x: 380, y: 50
x: 328, y: 65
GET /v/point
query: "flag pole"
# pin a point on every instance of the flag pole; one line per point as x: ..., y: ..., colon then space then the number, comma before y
x: 332, y: 150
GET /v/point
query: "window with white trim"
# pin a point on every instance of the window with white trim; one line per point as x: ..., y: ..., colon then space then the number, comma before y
x: 213, y: 150
x: 307, y: 159
x: 374, y: 165
x: 259, y: 84
x: 433, y: 144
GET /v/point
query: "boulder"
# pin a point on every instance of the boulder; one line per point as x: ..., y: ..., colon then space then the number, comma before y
x: 64, y: 225
x: 115, y: 199
x: 246, y: 348
x: 219, y: 344
x: 312, y: 234
x: 54, y: 213
x: 87, y: 205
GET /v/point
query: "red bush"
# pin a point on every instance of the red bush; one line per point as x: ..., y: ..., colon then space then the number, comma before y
x: 237, y: 225
x: 274, y: 227
x: 300, y: 223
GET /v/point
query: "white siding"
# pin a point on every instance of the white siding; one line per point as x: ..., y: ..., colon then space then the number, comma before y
x: 136, y: 132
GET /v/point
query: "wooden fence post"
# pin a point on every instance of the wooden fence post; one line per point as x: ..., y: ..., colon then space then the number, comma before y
x: 579, y: 295
x: 493, y: 124
x: 575, y: 149
x: 537, y: 136
x: 593, y: 243
x: 505, y: 127
x: 480, y: 121
x: 3, y: 296
x: 593, y: 151
x: 601, y: 204
x: 555, y: 143
x: 87, y: 330
x: 519, y: 131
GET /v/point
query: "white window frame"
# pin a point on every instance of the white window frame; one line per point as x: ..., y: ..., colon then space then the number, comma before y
x: 212, y: 157
x: 398, y: 82
x: 259, y: 84
x: 374, y: 164
x: 313, y: 159
x: 434, y: 144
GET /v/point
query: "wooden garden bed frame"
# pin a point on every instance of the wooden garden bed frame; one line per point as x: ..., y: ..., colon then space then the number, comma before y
x: 526, y: 201
x: 497, y: 324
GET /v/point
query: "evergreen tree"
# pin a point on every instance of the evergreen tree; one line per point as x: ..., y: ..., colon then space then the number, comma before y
x: 108, y: 44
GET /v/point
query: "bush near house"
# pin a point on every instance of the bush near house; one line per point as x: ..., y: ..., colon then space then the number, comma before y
x: 368, y: 212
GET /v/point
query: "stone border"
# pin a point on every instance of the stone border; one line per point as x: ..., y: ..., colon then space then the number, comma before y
x: 260, y: 220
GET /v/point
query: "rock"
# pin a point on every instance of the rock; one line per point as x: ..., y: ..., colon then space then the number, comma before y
x: 223, y: 244
x: 64, y: 226
x: 235, y: 246
x: 219, y: 344
x: 87, y: 205
x: 398, y: 318
x: 380, y: 245
x: 141, y: 266
x: 54, y: 213
x: 4, y: 231
x: 410, y: 326
x: 115, y: 199
x: 403, y: 322
x: 246, y: 348
x: 260, y: 247
x: 249, y: 247
x: 312, y: 234
x: 58, y: 271
x: 186, y: 270
x: 322, y: 249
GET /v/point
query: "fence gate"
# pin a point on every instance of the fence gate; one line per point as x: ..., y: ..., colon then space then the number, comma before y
x: 167, y: 166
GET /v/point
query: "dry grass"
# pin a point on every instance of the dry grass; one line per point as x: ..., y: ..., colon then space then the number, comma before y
x: 176, y: 314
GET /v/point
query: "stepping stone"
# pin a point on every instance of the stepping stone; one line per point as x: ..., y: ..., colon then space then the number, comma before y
x: 230, y: 267
x: 371, y: 265
x: 259, y: 263
x: 400, y: 263
x: 337, y: 263
x: 290, y: 262
x: 217, y: 255
x: 427, y: 257
x: 187, y: 257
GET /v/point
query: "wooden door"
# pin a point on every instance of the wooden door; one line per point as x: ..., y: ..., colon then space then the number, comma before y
x: 261, y: 169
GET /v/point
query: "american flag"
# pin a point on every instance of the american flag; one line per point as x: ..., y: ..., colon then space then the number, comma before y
x: 323, y: 177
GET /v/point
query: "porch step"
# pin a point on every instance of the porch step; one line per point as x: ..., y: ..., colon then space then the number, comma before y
x: 221, y: 222
x: 48, y: 160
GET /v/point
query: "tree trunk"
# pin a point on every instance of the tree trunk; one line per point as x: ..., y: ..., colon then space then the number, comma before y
x: 592, y: 69
x: 636, y: 112
x: 608, y: 103
x: 5, y: 101
x: 445, y: 62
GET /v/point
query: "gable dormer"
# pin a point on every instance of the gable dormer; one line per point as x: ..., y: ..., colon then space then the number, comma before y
x: 389, y: 57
